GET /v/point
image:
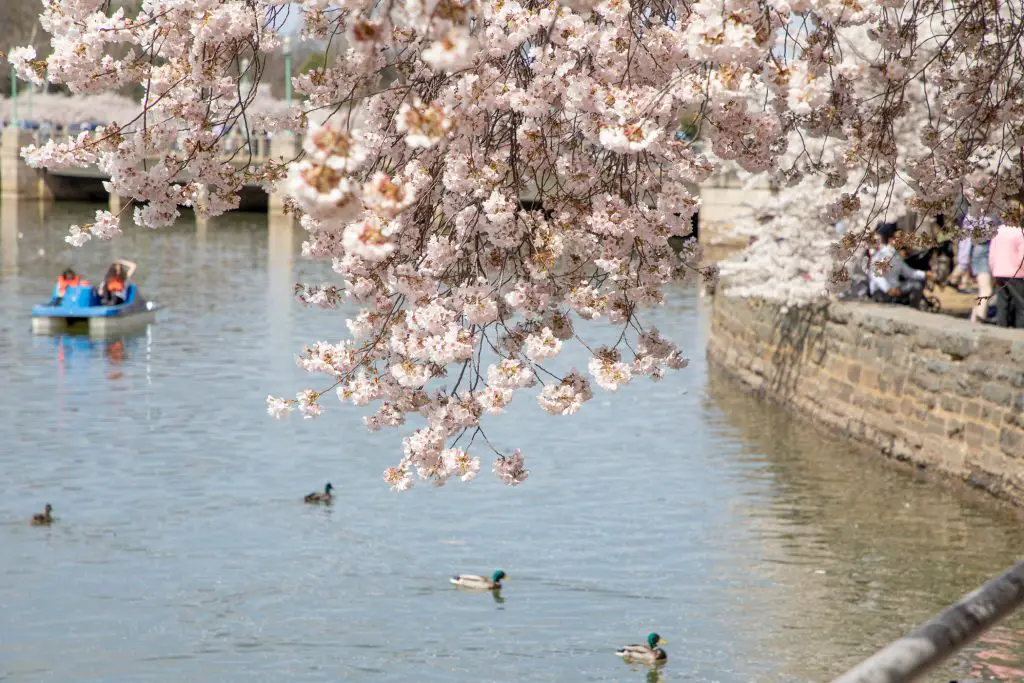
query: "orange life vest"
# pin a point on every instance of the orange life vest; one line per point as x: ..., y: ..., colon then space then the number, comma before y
x: 115, y: 286
x: 63, y: 283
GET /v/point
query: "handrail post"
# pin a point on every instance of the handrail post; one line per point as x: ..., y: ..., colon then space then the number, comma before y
x: 287, y: 49
x: 910, y: 657
x: 14, y: 98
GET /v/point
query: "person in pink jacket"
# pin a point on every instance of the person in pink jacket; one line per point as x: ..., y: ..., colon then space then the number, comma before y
x: 1006, y: 262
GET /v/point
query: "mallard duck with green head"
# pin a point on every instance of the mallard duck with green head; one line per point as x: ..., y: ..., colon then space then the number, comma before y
x: 650, y: 653
x: 44, y: 518
x: 320, y: 497
x: 480, y: 583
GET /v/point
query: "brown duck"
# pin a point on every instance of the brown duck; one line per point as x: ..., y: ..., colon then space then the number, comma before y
x: 320, y: 497
x: 43, y: 518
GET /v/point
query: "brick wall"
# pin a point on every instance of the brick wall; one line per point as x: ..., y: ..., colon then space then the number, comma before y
x: 924, y: 388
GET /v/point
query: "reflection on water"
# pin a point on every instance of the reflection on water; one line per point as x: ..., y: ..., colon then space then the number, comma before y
x: 69, y: 349
x: 997, y: 656
x: 761, y: 550
x: 654, y: 675
x: 886, y: 547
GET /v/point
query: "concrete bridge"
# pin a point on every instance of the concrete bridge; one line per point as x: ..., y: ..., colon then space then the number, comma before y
x: 722, y: 197
x: 19, y: 181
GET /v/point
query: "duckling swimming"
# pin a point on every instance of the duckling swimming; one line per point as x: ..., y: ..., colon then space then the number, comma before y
x: 43, y: 518
x: 647, y: 654
x: 479, y: 582
x: 316, y: 497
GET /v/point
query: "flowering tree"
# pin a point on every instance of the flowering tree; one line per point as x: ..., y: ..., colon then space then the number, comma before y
x: 441, y: 115
x: 789, y: 257
x: 794, y: 253
x: 801, y: 258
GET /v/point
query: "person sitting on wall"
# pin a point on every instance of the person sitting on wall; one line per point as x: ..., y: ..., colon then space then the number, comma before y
x: 892, y: 280
x: 114, y: 290
x: 69, y: 278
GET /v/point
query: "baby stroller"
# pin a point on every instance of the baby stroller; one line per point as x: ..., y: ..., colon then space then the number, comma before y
x: 915, y: 297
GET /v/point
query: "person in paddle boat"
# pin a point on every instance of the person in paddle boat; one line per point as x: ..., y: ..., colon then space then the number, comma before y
x: 114, y: 290
x: 69, y: 278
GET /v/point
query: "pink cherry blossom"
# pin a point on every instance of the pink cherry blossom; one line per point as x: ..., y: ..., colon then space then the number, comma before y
x: 23, y: 59
x: 332, y: 145
x: 424, y: 124
x: 495, y: 399
x: 631, y: 137
x: 487, y: 179
x: 77, y: 237
x: 566, y: 397
x: 387, y: 197
x: 542, y: 345
x: 511, y: 374
x: 322, y: 190
x: 368, y: 238
x: 452, y: 51
x: 511, y: 469
x: 306, y: 402
x: 608, y: 370
x: 460, y: 464
x: 398, y: 479
x: 277, y: 407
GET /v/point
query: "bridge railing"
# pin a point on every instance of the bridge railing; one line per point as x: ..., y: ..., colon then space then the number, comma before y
x: 234, y: 145
x: 913, y: 655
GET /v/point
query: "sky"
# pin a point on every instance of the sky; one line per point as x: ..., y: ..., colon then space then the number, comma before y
x: 291, y: 27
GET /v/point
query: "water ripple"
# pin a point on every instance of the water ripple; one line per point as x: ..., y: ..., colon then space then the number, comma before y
x: 762, y: 549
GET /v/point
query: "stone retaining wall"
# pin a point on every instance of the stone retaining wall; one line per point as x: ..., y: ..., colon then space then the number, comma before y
x: 924, y: 388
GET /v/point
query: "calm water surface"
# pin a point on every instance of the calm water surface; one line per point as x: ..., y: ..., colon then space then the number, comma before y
x: 761, y: 549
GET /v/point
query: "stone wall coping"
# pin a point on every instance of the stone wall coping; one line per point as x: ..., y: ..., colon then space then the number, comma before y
x: 932, y: 321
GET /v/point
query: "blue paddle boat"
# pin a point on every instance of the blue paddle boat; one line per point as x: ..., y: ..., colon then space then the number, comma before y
x: 80, y: 309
